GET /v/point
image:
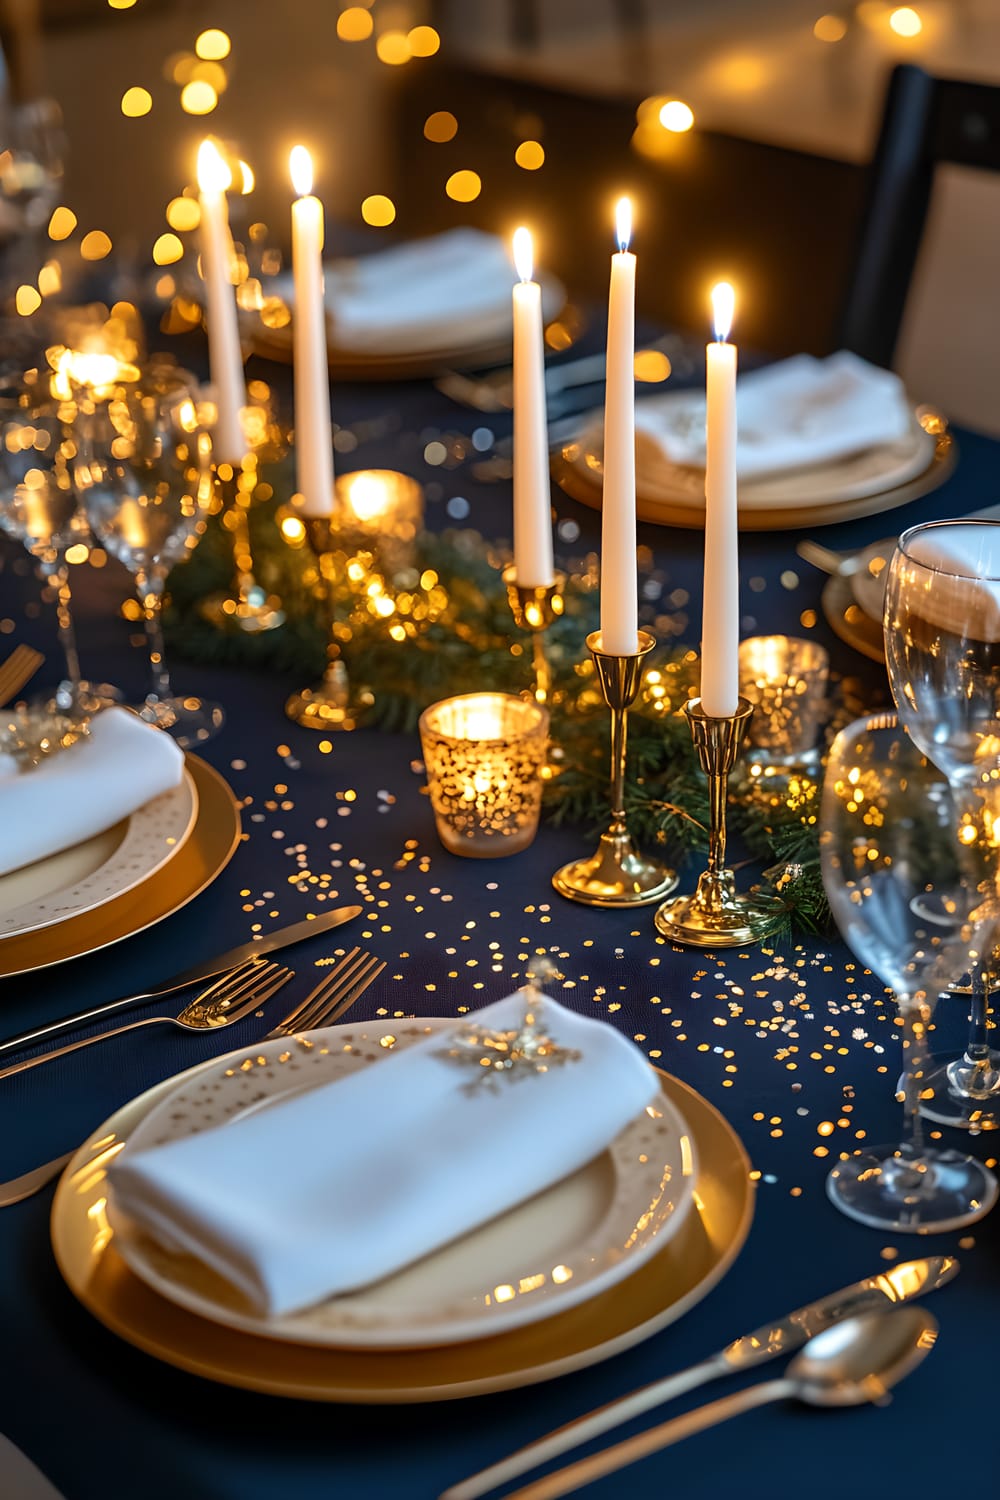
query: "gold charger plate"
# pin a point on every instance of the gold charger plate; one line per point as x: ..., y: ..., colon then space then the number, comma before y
x: 479, y: 349
x: 207, y: 850
x: 572, y: 473
x: 659, y: 1293
x: 99, y: 869
x: 845, y: 615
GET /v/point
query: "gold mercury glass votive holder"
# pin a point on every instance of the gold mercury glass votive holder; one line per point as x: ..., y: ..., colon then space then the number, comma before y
x: 484, y: 754
x: 785, y: 679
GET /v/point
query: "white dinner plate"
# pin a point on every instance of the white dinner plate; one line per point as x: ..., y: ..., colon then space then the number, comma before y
x: 560, y: 1248
x: 89, y: 874
x: 856, y: 485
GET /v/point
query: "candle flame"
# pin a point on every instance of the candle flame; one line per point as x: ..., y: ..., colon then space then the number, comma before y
x: 301, y: 167
x: 723, y: 306
x: 214, y: 175
x: 623, y: 222
x: 523, y: 253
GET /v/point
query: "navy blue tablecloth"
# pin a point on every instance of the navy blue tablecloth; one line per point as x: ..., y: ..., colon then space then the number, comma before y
x: 789, y: 1044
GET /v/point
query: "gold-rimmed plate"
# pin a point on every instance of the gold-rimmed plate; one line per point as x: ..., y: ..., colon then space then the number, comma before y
x: 99, y: 869
x: 206, y: 851
x: 668, y: 1285
x: 859, y: 485
x: 446, y: 344
x: 563, y: 1246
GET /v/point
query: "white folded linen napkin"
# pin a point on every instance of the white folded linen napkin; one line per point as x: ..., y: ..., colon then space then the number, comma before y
x: 792, y: 415
x: 337, y: 1187
x: 79, y: 792
x: 425, y: 293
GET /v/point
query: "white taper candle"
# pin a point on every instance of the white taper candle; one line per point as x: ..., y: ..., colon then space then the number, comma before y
x: 224, y: 353
x: 532, y: 502
x: 720, y: 627
x: 313, y: 430
x: 619, y: 575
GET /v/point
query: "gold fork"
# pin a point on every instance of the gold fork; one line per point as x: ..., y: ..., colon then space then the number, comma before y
x: 227, y: 1000
x: 16, y: 669
x: 328, y: 1002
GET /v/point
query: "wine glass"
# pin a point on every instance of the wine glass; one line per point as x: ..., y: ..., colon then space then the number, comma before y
x: 39, y: 507
x: 915, y: 897
x: 144, y: 474
x: 942, y: 641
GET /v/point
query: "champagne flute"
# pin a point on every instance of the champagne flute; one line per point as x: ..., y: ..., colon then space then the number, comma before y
x: 39, y: 507
x: 144, y: 475
x: 942, y: 640
x: 915, y: 898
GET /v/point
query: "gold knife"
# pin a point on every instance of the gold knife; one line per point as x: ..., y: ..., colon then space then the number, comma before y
x: 913, y: 1278
x: 270, y: 942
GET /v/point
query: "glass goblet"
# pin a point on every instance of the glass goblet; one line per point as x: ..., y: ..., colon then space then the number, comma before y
x: 144, y: 475
x: 38, y: 507
x: 917, y: 904
x: 942, y: 643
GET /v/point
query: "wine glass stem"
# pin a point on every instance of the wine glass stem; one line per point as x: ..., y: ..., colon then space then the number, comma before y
x: 978, y: 1050
x: 150, y: 589
x: 56, y: 571
x: 915, y: 1015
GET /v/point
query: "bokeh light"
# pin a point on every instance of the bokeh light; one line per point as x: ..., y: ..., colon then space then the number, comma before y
x: 441, y: 126
x: 530, y: 155
x: 183, y: 214
x: 62, y: 223
x: 464, y: 186
x: 354, y: 24
x: 213, y: 45
x: 198, y: 97
x: 167, y: 249
x: 27, y: 300
x: 378, y: 210
x: 906, y: 21
x: 830, y: 29
x: 393, y: 48
x: 677, y: 116
x: 50, y: 278
x: 95, y: 245
x: 136, y: 102
x: 423, y: 41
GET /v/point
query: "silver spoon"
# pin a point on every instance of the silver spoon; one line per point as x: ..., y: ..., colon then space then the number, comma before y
x: 854, y: 1361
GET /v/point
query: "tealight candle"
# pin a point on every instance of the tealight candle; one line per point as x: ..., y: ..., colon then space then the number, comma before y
x: 313, y: 432
x: 225, y: 356
x: 380, y: 500
x: 720, y: 631
x: 484, y: 754
x: 619, y: 573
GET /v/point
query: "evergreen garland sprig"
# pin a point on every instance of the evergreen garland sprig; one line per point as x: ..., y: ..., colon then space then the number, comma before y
x: 471, y: 642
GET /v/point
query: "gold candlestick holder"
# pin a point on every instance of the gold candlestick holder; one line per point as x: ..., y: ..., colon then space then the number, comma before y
x: 331, y: 703
x: 617, y: 875
x: 534, y: 607
x: 716, y: 915
x: 246, y: 606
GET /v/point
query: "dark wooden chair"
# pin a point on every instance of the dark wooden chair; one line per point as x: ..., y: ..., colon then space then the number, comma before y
x: 927, y: 122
